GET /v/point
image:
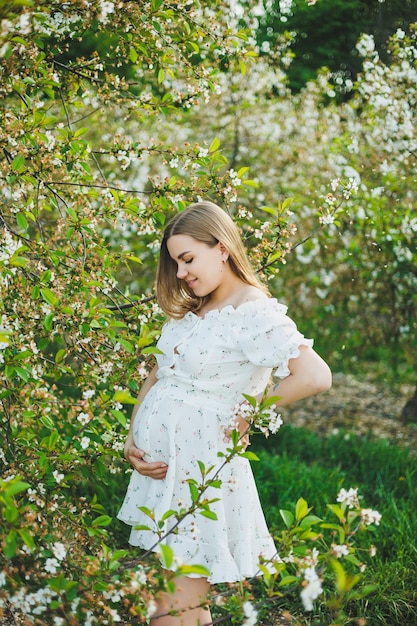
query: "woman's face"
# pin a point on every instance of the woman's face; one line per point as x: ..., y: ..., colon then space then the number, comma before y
x: 199, y: 265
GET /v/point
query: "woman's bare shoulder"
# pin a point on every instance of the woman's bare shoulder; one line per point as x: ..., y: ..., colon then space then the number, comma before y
x: 248, y: 293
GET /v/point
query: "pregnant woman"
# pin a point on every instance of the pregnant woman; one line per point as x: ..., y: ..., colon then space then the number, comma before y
x: 224, y: 337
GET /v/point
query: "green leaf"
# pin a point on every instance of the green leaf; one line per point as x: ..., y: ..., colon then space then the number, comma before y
x: 186, y: 570
x: 151, y: 350
x: 22, y: 373
x: 79, y: 132
x: 9, y: 371
x: 18, y: 163
x: 147, y: 512
x: 242, y: 171
x: 156, y: 4
x: 288, y: 518
x: 71, y: 212
x: 168, y: 514
x: 288, y: 580
x: 27, y: 538
x: 159, y: 218
x: 11, y: 513
x: 309, y: 521
x: 60, y: 355
x: 47, y: 421
x: 215, y: 145
x: 133, y: 55
x: 340, y: 575
x: 126, y: 344
x: 366, y: 590
x: 250, y: 183
x: 167, y: 555
x: 194, y: 492
x: 161, y: 76
x: 49, y: 296
x: 269, y: 402
x: 10, y: 545
x: 47, y: 322
x: 124, y: 397
x: 121, y: 418
x: 18, y: 261
x: 335, y: 508
x: 301, y: 509
x: 208, y: 513
x: 286, y: 203
x: 12, y: 488
x: 136, y: 259
x: 102, y: 520
x: 48, y: 91
x: 269, y: 210
x: 249, y: 455
x: 22, y: 221
x: 252, y: 401
x: 53, y: 440
x: 4, y: 335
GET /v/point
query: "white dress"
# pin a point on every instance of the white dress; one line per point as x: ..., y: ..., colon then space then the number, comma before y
x: 205, y: 366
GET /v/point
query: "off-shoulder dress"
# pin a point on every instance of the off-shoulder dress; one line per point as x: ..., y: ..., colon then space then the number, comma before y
x: 206, y: 364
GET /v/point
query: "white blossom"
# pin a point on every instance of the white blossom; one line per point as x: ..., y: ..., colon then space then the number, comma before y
x: 106, y: 8
x: 312, y: 590
x: 85, y: 442
x: 83, y: 418
x: 59, y: 550
x: 8, y: 246
x: 326, y: 219
x: 140, y: 576
x: 251, y: 614
x: 51, y: 565
x: 340, y: 550
x: 151, y: 609
x: 350, y: 497
x: 365, y: 45
x: 370, y: 517
x: 58, y: 477
x: 115, y: 616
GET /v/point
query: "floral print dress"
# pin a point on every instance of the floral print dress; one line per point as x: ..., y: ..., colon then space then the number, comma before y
x: 205, y: 366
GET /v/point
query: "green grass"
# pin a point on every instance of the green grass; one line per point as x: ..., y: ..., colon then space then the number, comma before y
x: 296, y: 463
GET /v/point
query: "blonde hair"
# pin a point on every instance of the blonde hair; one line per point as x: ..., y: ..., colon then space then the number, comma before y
x: 208, y: 223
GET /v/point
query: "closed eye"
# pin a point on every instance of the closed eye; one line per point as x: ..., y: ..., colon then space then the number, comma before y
x: 189, y: 261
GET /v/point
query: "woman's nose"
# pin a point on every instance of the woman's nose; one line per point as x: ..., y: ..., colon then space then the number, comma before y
x: 181, y: 272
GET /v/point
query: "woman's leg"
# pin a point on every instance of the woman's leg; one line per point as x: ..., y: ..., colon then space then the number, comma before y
x: 189, y: 594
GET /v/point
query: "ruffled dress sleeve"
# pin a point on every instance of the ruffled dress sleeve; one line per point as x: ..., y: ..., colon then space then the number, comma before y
x: 268, y: 337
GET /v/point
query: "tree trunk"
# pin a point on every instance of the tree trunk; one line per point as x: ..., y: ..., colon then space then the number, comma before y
x: 409, y: 412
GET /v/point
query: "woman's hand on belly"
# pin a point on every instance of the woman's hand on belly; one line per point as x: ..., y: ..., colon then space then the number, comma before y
x: 156, y: 470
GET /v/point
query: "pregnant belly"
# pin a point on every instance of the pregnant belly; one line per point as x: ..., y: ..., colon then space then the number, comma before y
x: 151, y: 429
x: 169, y: 425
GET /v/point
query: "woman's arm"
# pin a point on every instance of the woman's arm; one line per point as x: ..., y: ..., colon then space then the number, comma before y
x: 309, y: 375
x: 135, y: 455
